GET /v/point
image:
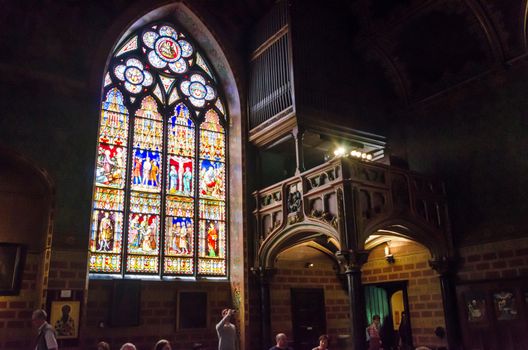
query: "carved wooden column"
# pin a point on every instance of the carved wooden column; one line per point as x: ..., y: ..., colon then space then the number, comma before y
x: 352, y: 261
x: 445, y: 267
x: 298, y: 135
x: 264, y: 275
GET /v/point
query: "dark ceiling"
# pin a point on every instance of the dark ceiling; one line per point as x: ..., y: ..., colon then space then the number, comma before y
x: 421, y: 47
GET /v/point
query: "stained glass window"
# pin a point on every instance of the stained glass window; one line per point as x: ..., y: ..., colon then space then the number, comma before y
x: 159, y: 205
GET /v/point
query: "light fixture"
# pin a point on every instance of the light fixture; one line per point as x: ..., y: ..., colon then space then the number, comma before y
x: 308, y: 265
x: 339, y: 152
x: 361, y: 155
x: 388, y: 256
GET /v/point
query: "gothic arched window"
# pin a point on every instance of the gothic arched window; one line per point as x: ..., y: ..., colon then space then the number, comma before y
x: 159, y: 205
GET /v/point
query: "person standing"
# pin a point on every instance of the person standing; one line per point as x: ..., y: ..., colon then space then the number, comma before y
x: 46, y: 338
x: 373, y: 332
x: 282, y: 342
x: 404, y: 332
x: 226, y: 331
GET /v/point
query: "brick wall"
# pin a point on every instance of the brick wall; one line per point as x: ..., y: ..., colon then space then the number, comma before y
x: 157, y: 308
x: 16, y: 311
x: 293, y: 274
x: 425, y: 299
x: 492, y: 261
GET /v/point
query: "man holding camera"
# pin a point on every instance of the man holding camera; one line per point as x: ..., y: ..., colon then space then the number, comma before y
x: 226, y: 331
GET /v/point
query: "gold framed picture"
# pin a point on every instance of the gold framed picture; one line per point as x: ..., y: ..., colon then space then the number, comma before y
x: 64, y: 318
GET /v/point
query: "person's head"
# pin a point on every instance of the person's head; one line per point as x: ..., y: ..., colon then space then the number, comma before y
x: 103, y: 346
x: 162, y: 344
x: 376, y: 319
x: 39, y: 317
x: 282, y: 340
x: 128, y: 346
x: 229, y: 312
x: 66, y: 309
x: 323, y: 341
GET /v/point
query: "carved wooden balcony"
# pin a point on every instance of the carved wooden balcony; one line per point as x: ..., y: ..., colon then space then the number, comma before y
x: 348, y: 200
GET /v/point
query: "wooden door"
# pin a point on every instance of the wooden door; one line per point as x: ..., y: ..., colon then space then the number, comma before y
x: 308, y: 317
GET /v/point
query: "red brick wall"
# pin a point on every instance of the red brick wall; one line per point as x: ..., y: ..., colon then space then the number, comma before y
x: 293, y: 274
x: 425, y: 299
x: 491, y: 261
x: 16, y: 311
x: 158, y: 307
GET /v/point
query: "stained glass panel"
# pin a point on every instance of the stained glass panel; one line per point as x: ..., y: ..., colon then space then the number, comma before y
x: 179, y: 236
x: 166, y: 167
x: 148, y: 203
x: 179, y: 206
x: 111, y: 166
x: 178, y: 266
x: 146, y: 171
x: 180, y: 176
x: 212, y: 179
x: 214, y: 210
x: 107, y: 229
x: 143, y: 234
x: 109, y: 199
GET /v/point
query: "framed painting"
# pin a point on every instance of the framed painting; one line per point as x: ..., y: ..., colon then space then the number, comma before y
x: 64, y: 317
x: 12, y: 258
x: 505, y: 306
x: 475, y: 303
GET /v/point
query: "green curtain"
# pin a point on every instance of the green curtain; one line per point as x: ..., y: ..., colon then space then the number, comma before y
x: 377, y: 303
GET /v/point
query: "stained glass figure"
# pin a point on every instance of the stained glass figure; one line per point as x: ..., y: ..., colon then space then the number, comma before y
x: 179, y: 236
x: 107, y: 228
x: 212, y: 179
x: 146, y: 170
x: 143, y: 234
x: 148, y: 158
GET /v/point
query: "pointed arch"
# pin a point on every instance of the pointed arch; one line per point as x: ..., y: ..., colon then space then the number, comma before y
x: 159, y: 195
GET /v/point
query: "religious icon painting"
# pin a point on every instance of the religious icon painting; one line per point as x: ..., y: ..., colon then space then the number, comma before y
x: 180, y: 176
x: 212, y: 177
x: 475, y: 307
x: 505, y: 306
x: 146, y: 170
x: 107, y: 227
x: 111, y: 166
x: 179, y: 236
x: 64, y: 317
x: 143, y: 234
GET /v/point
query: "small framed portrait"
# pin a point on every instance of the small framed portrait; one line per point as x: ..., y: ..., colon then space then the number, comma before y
x: 12, y: 258
x: 64, y: 317
x: 475, y: 303
x: 505, y: 306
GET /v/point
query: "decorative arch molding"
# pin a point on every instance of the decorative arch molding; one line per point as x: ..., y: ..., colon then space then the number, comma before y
x: 325, y: 238
x: 408, y: 228
x: 488, y: 29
